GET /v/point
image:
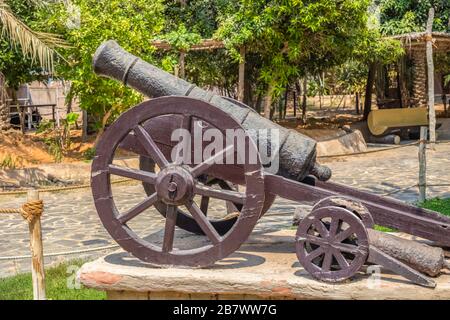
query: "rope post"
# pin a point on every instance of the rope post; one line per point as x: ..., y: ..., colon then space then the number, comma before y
x: 422, y: 164
x: 37, y: 251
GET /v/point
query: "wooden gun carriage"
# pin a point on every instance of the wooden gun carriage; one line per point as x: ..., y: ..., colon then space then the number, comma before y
x: 332, y: 242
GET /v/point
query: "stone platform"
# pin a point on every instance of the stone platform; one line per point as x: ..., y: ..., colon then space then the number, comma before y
x: 266, y: 267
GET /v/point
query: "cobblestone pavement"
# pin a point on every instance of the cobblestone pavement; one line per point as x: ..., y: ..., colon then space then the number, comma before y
x: 70, y: 221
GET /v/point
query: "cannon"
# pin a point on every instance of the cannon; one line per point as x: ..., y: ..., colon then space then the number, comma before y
x: 333, y: 242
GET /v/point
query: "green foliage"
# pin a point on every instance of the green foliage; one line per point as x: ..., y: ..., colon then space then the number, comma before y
x: 298, y: 37
x: 57, y: 139
x: 181, y: 39
x: 199, y: 16
x: 71, y: 118
x: 89, y: 154
x: 17, y: 68
x: 20, y: 287
x: 438, y: 205
x: 132, y: 23
x: 8, y: 162
x: 403, y: 16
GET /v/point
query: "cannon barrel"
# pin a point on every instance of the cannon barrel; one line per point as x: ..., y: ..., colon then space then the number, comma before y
x: 297, y: 152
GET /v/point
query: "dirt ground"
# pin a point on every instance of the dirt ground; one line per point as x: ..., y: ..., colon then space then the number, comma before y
x: 20, y: 151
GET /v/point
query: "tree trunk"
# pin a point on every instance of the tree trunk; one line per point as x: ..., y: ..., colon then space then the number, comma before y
x: 403, y: 89
x: 304, y: 98
x: 105, y: 119
x: 419, y: 92
x: 430, y: 70
x: 259, y: 100
x: 84, y: 128
x: 294, y: 97
x: 369, y: 87
x: 357, y: 102
x: 268, y: 102
x: 241, y: 81
x: 286, y: 98
x: 181, y: 65
x: 4, y: 111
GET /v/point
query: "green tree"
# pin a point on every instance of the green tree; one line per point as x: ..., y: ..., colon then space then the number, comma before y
x: 85, y: 24
x: 403, y: 16
x: 25, y: 54
x: 14, y: 16
x: 294, y: 38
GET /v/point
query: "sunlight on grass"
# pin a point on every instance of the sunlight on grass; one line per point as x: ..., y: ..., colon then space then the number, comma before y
x: 437, y: 204
x: 58, y: 280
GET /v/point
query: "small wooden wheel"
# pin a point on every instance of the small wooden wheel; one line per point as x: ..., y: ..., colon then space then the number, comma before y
x: 350, y: 204
x: 332, y: 244
x: 185, y: 221
x: 175, y: 185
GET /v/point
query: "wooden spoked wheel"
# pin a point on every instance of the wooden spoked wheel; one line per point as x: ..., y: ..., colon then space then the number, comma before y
x: 185, y: 221
x: 175, y: 186
x: 332, y: 244
x: 350, y: 204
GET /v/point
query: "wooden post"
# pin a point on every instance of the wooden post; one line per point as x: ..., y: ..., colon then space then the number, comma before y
x: 430, y: 71
x: 37, y: 252
x: 422, y: 164
x: 241, y: 81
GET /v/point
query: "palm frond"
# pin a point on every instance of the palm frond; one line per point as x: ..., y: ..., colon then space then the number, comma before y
x: 35, y: 45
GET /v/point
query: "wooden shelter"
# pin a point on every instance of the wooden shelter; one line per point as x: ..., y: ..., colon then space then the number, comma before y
x: 406, y: 83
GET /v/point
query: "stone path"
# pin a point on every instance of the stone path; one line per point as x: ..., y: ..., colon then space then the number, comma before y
x: 71, y: 223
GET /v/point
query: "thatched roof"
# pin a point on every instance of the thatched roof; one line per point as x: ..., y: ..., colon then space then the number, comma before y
x: 417, y: 40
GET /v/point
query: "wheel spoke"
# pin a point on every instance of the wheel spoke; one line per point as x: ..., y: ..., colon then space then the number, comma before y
x: 204, y: 205
x: 320, y: 227
x: 345, y: 247
x: 186, y: 124
x: 202, y: 167
x: 150, y: 146
x: 334, y: 227
x: 326, y: 264
x: 313, y: 239
x: 340, y: 259
x: 133, y: 212
x: 343, y: 234
x: 169, y: 230
x: 228, y: 195
x: 314, y: 254
x: 203, y: 222
x: 147, y: 177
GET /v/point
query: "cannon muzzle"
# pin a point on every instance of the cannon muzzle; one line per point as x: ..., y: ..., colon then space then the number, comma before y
x: 297, y: 152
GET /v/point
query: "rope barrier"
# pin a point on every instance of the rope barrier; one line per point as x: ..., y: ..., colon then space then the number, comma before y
x: 55, y: 189
x: 29, y: 210
x: 378, y: 150
x: 416, y: 185
x: 64, y: 253
x: 369, y: 151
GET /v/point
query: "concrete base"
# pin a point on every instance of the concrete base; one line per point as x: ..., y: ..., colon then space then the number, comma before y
x: 266, y: 267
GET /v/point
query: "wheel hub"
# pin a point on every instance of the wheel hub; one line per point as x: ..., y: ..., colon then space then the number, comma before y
x: 175, y: 185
